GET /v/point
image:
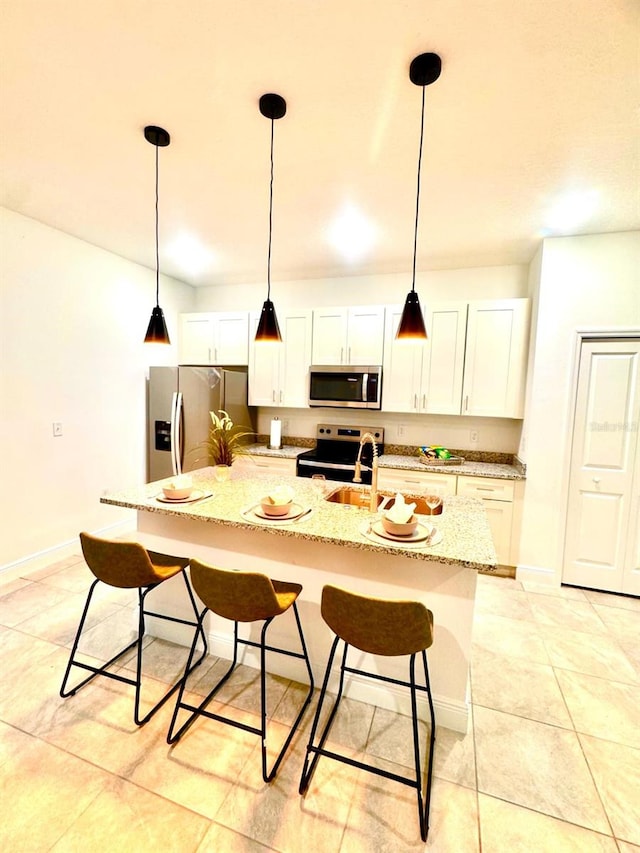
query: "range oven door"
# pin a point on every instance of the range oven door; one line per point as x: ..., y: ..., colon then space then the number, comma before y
x: 340, y: 471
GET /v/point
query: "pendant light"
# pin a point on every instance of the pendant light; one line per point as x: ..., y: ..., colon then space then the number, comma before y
x: 157, y: 331
x: 424, y: 69
x: 272, y: 107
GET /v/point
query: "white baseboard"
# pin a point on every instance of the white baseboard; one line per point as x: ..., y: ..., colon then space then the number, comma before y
x: 25, y: 565
x: 537, y: 574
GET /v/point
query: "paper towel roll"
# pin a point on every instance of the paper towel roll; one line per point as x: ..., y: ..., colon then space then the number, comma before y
x: 275, y: 437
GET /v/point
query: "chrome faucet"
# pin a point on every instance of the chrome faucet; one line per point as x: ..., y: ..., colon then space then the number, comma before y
x: 357, y: 476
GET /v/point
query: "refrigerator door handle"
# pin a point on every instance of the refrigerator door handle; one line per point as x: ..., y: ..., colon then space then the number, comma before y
x: 176, y: 416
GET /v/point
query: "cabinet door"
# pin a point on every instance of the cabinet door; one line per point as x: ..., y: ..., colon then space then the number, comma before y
x: 264, y: 368
x: 295, y: 359
x: 196, y: 339
x: 329, y: 336
x: 443, y: 359
x: 269, y: 464
x: 231, y: 343
x: 365, y: 338
x: 499, y: 516
x: 496, y: 358
x: 402, y: 367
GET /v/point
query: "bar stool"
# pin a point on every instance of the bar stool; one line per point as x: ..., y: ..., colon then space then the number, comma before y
x: 379, y: 627
x: 243, y: 597
x: 128, y: 565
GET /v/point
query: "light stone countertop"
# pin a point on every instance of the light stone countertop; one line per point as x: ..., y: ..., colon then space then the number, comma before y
x: 466, y: 535
x: 287, y: 451
x: 471, y: 469
x: 407, y: 463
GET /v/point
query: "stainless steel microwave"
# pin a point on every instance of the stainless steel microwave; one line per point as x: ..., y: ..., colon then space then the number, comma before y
x: 349, y: 386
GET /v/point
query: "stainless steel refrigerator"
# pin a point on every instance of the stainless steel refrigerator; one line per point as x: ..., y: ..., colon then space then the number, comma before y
x: 178, y: 404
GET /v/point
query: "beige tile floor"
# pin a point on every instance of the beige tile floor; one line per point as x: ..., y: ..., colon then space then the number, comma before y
x: 551, y: 761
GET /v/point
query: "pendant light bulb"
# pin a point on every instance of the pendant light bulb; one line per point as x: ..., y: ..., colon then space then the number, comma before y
x: 272, y: 107
x: 157, y: 332
x: 424, y: 70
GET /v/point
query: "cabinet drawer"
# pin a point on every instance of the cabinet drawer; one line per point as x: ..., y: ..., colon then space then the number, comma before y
x: 270, y: 464
x: 401, y: 479
x: 490, y: 488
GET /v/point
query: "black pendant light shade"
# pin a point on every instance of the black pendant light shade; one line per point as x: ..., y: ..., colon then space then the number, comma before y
x: 268, y: 330
x: 157, y: 330
x: 424, y: 70
x: 273, y: 107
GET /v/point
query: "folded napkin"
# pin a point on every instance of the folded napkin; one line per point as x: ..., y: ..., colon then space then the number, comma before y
x: 400, y: 512
x: 280, y: 495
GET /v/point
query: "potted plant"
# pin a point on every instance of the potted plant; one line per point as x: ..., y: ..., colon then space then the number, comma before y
x: 225, y: 441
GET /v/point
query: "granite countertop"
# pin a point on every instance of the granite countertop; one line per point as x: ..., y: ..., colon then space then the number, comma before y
x: 471, y: 469
x: 466, y: 535
x: 287, y: 451
x: 408, y: 463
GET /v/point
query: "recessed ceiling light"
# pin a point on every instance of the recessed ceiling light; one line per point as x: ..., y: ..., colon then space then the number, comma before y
x: 190, y: 254
x: 571, y: 211
x: 351, y: 233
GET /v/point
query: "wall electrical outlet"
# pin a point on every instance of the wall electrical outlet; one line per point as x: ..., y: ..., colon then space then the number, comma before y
x: 57, y: 428
x: 401, y: 430
x: 285, y: 426
x: 473, y: 436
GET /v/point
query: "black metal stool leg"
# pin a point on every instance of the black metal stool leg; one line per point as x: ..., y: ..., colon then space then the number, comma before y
x: 174, y: 737
x: 269, y: 775
x: 92, y: 669
x: 307, y: 770
x: 432, y: 742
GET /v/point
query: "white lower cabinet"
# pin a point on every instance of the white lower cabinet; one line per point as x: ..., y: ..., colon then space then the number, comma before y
x: 399, y: 479
x: 498, y: 496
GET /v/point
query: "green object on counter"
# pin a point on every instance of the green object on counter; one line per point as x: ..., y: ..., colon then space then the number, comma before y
x: 435, y: 451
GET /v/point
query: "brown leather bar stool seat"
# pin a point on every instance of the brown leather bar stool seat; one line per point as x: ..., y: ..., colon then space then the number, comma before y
x: 379, y: 627
x: 128, y: 565
x: 243, y: 597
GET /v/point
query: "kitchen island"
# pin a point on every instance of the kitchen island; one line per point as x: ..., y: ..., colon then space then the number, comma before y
x: 332, y: 543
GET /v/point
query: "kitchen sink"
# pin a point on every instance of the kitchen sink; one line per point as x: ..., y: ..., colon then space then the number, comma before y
x: 348, y: 496
x: 353, y: 497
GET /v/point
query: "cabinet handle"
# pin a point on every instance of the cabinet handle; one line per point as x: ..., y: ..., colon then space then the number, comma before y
x: 216, y: 354
x: 281, y: 396
x: 424, y: 401
x: 349, y: 356
x: 411, y: 481
x: 273, y: 396
x: 485, y: 489
x: 209, y: 355
x: 415, y: 401
x: 466, y: 402
x: 341, y: 355
x: 596, y: 480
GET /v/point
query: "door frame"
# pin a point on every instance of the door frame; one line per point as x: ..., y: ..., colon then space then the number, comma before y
x: 592, y: 333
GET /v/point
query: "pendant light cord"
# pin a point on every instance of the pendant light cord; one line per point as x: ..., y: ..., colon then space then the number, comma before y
x: 270, y: 218
x: 415, y: 233
x: 157, y: 238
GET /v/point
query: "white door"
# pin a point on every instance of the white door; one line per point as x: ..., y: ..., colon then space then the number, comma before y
x: 329, y: 336
x: 402, y: 369
x: 231, y: 345
x: 264, y: 368
x: 443, y: 362
x: 295, y: 359
x: 601, y: 550
x: 195, y: 339
x: 365, y: 341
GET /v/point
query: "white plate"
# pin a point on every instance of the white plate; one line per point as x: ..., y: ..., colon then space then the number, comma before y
x: 377, y: 533
x: 252, y: 514
x: 196, y: 495
x: 418, y: 534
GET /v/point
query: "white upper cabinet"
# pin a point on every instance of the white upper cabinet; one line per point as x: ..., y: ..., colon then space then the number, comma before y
x: 496, y: 358
x: 278, y: 373
x: 214, y: 338
x: 348, y: 335
x: 426, y: 377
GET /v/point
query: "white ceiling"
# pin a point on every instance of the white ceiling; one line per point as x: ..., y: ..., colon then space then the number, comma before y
x: 537, y: 99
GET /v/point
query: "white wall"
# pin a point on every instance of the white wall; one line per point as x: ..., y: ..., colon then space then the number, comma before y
x: 583, y: 283
x: 496, y: 434
x: 72, y: 322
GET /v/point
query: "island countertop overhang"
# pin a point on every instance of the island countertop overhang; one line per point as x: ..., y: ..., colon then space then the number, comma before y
x: 466, y: 534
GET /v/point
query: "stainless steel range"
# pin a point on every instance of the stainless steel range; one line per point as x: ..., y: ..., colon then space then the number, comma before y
x: 336, y: 451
